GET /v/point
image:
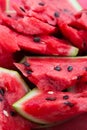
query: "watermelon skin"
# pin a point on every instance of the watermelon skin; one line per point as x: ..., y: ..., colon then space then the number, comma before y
x: 46, y: 108
x: 47, y: 45
x: 47, y: 75
x: 12, y: 88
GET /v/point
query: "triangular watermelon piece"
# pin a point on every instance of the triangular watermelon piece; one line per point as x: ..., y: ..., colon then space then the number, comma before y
x: 53, y: 73
x: 50, y: 107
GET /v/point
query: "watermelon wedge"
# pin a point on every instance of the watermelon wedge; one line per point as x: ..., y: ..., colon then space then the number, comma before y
x: 51, y: 107
x: 12, y: 88
x: 47, y: 45
x: 55, y: 73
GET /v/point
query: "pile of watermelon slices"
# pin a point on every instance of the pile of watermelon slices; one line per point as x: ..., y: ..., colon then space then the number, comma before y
x: 43, y: 65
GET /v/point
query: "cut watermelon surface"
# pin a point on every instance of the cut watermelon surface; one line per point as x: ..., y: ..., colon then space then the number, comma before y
x: 55, y: 73
x: 12, y: 88
x: 51, y: 107
x: 43, y: 28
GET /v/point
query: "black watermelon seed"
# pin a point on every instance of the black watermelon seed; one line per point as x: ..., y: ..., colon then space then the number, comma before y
x: 41, y: 4
x: 12, y: 113
x: 69, y: 104
x: 36, y: 39
x: 2, y: 91
x: 56, y: 14
x: 1, y: 99
x: 22, y: 9
x: 51, y: 98
x: 26, y: 64
x: 57, y: 68
x: 70, y: 68
x: 9, y: 15
x: 65, y: 97
x: 29, y: 71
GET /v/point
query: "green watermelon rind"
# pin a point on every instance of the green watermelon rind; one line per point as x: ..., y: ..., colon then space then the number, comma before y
x: 16, y: 75
x: 75, y: 4
x: 73, y: 52
x: 18, y: 107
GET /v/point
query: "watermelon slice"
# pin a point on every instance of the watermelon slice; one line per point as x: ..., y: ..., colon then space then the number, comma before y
x: 50, y: 107
x: 28, y: 25
x: 12, y: 88
x: 53, y: 72
x: 47, y: 45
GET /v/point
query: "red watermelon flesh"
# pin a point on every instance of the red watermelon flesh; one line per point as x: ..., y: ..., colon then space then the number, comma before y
x: 3, y: 5
x: 53, y: 72
x: 50, y: 107
x: 28, y: 25
x: 77, y: 123
x: 83, y: 3
x: 12, y: 88
x: 8, y: 40
x: 80, y: 21
x: 47, y: 45
x: 76, y: 37
x: 48, y: 11
x: 6, y: 60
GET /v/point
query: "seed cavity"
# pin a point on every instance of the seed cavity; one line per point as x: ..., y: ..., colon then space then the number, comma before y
x: 70, y: 68
x: 56, y: 14
x: 69, y: 104
x: 36, y: 39
x: 26, y: 64
x: 41, y: 4
x: 22, y: 9
x: 51, y: 98
x: 2, y: 91
x: 12, y: 113
x: 58, y: 68
x: 65, y: 97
